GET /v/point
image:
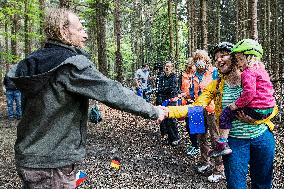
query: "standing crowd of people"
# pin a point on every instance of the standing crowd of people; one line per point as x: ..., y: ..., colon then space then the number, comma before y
x: 58, y: 80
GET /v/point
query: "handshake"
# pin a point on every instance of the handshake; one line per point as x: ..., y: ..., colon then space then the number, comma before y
x: 163, y: 113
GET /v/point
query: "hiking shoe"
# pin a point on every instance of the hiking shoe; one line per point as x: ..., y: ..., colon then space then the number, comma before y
x: 222, y: 148
x: 175, y: 143
x: 203, y: 168
x: 216, y: 177
x: 192, y: 151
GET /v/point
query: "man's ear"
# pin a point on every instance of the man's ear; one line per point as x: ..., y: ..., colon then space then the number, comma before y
x: 65, y: 31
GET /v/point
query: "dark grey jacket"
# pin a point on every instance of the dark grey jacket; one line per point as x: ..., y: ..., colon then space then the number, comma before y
x: 52, y: 132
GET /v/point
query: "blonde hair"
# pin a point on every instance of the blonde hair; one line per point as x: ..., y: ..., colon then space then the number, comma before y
x: 201, y: 55
x: 188, y: 66
x: 55, y: 21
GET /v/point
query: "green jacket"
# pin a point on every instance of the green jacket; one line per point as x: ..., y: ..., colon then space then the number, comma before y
x: 52, y: 131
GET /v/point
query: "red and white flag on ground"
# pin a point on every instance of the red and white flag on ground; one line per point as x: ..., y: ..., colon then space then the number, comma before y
x: 80, y: 177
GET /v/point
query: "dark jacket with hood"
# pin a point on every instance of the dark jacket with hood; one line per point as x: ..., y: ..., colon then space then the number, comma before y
x: 9, y: 84
x: 167, y: 87
x: 57, y: 82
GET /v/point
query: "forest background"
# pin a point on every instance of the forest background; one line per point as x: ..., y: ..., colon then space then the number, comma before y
x: 123, y: 35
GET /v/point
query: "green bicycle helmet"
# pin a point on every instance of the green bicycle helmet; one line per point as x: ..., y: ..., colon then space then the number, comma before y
x: 248, y: 47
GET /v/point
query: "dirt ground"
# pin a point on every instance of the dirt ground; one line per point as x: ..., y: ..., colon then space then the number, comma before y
x: 146, y: 160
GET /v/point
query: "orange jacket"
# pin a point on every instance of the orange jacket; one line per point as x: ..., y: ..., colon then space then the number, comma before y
x: 186, y: 83
x: 200, y: 85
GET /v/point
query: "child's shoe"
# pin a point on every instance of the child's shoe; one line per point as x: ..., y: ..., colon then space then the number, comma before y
x: 192, y: 151
x: 222, y: 148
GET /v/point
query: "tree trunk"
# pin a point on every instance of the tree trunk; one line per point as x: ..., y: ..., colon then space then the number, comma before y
x: 177, y: 32
x: 254, y: 31
x: 171, y: 33
x: 101, y: 13
x: 188, y: 28
x: 275, y: 38
x: 27, y: 29
x: 14, y: 39
x: 219, y: 21
x: 117, y: 34
x: 204, y: 38
x: 65, y: 4
x: 193, y: 28
x: 6, y: 38
x: 268, y: 11
x: 41, y: 30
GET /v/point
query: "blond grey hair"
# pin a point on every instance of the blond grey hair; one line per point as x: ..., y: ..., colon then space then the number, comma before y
x: 56, y: 20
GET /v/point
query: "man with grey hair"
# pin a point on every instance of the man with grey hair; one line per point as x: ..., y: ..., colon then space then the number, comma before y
x: 57, y: 82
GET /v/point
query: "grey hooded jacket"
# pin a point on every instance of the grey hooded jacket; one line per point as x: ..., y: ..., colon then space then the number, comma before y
x: 52, y: 131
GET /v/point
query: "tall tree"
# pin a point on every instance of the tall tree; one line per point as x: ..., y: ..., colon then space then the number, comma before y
x: 171, y: 33
x: 42, y: 10
x: 101, y: 12
x: 27, y: 28
x: 177, y: 32
x: 204, y: 31
x: 188, y: 11
x: 15, y: 33
x: 193, y: 28
x: 117, y: 34
x: 253, y: 19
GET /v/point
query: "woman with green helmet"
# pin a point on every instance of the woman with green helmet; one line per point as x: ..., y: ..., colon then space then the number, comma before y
x: 256, y: 99
x: 251, y: 141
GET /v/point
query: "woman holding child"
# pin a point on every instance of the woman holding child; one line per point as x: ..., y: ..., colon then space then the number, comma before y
x: 252, y: 142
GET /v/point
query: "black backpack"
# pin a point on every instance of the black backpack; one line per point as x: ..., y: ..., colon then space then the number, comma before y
x: 95, y: 115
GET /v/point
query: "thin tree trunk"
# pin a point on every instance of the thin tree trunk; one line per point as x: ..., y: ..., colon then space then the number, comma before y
x: 6, y: 37
x: 42, y: 11
x: 101, y: 12
x: 268, y: 11
x: 177, y: 32
x: 204, y: 37
x: 275, y: 39
x: 14, y: 32
x: 193, y: 28
x: 117, y: 34
x: 188, y: 28
x: 171, y: 33
x: 27, y: 29
x: 219, y: 21
x: 254, y: 30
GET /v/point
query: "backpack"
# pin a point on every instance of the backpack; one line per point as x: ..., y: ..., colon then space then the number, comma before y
x: 95, y: 115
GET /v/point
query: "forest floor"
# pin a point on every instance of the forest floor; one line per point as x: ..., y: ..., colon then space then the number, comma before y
x: 146, y: 161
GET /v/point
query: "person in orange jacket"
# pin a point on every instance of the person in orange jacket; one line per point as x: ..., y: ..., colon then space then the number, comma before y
x: 206, y: 73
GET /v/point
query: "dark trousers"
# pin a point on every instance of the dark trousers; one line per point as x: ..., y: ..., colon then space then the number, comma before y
x: 228, y: 115
x: 169, y: 127
x: 192, y: 137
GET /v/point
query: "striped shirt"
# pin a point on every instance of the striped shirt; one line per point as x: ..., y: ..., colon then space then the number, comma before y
x: 240, y: 129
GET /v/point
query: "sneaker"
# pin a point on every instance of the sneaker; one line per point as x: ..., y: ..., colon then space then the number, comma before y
x: 176, y: 142
x: 203, y: 168
x: 192, y: 151
x: 222, y: 148
x: 216, y: 177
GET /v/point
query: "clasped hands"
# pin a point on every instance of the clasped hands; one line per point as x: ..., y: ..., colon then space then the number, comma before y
x: 163, y: 113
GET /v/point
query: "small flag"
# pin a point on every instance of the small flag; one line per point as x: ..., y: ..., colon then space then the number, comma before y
x: 80, y: 177
x: 115, y: 163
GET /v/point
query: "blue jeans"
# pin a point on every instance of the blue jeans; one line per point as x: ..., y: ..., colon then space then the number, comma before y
x: 11, y: 96
x: 258, y: 153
